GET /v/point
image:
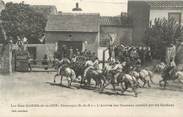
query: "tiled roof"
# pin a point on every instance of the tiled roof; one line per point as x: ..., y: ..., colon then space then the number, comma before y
x: 73, y: 23
x: 110, y: 20
x: 166, y: 4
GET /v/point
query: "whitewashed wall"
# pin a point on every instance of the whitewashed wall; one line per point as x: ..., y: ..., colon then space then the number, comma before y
x: 163, y: 13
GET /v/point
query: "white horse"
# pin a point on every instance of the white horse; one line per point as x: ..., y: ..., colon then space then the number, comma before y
x: 128, y: 81
x: 179, y: 76
x: 68, y: 73
x: 159, y: 67
x: 146, y: 77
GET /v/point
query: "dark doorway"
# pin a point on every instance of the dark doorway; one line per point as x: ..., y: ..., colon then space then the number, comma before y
x: 32, y: 52
x: 74, y: 44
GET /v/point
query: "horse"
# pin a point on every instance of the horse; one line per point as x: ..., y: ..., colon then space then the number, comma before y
x: 66, y: 72
x: 125, y: 81
x: 110, y: 78
x: 96, y: 75
x: 136, y: 75
x: 128, y: 81
x: 175, y: 75
x: 159, y: 67
x: 146, y: 77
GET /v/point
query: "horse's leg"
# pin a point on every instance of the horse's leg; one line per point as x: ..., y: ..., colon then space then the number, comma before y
x: 165, y: 83
x: 88, y: 81
x: 55, y: 78
x: 101, y: 84
x: 135, y: 92
x: 148, y: 83
x: 138, y: 84
x: 61, y: 79
x: 160, y: 83
x: 113, y: 86
x: 82, y: 81
x: 104, y: 86
x: 144, y: 81
x: 122, y: 88
x: 69, y: 81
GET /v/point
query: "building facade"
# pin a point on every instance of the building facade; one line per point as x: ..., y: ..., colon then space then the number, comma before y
x: 79, y: 31
x: 138, y: 11
x: 86, y: 31
x: 166, y: 9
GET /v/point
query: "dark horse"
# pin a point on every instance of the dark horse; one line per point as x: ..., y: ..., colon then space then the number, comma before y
x: 168, y: 74
x: 97, y: 76
x: 79, y: 67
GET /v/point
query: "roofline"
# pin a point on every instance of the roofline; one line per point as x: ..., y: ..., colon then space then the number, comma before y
x: 81, y: 13
x: 123, y: 26
x: 72, y: 31
x: 43, y: 5
x: 166, y: 8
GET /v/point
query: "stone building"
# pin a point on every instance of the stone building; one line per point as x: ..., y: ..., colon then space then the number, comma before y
x: 86, y: 31
x: 77, y: 30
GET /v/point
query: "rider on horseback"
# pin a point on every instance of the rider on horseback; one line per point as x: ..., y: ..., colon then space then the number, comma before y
x: 170, y: 68
x: 116, y: 70
x: 64, y: 63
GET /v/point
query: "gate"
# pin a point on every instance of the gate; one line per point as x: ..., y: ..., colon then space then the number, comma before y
x: 21, y: 62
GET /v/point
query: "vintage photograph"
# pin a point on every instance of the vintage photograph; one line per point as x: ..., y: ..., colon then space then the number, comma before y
x: 91, y: 58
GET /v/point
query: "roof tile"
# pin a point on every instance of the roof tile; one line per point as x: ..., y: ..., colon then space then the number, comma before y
x: 73, y: 23
x: 166, y: 4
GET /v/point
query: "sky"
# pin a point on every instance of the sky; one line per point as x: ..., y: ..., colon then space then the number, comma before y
x: 104, y: 7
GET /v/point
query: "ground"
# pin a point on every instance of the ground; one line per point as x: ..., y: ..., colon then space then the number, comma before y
x: 38, y: 88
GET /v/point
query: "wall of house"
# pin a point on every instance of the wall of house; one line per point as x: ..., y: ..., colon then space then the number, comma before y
x: 42, y: 49
x: 138, y: 11
x: 6, y: 60
x: 121, y: 34
x: 163, y: 13
x: 91, y: 39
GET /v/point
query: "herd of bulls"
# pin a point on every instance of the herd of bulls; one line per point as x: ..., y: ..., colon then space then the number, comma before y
x: 105, y: 77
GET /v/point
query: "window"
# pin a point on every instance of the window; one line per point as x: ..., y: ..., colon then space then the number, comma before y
x: 176, y: 16
x: 104, y: 40
x: 107, y: 38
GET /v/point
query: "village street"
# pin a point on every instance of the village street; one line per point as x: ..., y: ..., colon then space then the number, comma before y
x: 37, y: 88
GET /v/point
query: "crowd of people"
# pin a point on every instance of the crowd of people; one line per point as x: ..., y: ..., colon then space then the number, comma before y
x: 133, y: 55
x: 70, y: 53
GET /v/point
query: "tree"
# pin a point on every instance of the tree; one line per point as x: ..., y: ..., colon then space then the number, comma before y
x: 162, y: 34
x: 20, y: 20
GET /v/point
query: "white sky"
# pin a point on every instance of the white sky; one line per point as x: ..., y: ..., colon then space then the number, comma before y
x: 104, y: 7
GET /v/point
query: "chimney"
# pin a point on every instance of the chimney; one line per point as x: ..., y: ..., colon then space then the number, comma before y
x: 77, y: 7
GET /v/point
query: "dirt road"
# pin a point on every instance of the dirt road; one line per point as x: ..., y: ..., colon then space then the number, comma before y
x: 21, y: 90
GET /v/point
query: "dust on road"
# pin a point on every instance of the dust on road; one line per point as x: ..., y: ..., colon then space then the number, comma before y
x: 37, y: 88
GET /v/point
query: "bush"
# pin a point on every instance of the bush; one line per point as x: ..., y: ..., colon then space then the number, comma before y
x: 162, y: 34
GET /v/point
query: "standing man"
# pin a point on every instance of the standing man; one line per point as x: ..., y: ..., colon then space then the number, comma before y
x: 70, y: 53
x: 29, y: 62
x: 110, y: 47
x: 170, y: 53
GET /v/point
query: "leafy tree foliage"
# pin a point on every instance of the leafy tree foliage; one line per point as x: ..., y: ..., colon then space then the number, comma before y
x: 162, y: 34
x: 20, y: 20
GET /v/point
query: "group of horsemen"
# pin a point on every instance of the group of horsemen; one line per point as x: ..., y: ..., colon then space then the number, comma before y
x: 126, y: 58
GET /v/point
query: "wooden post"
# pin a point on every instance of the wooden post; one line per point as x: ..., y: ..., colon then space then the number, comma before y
x: 103, y: 63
